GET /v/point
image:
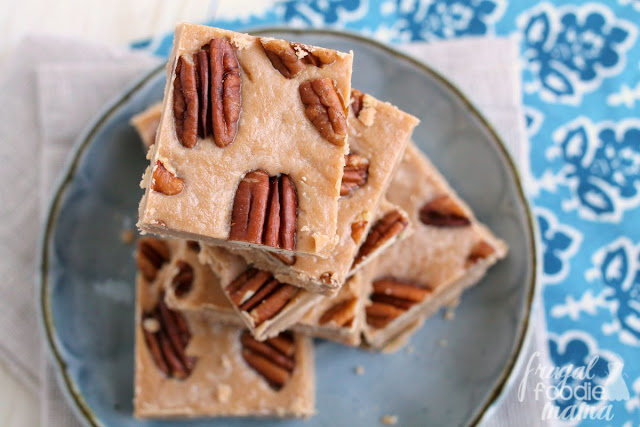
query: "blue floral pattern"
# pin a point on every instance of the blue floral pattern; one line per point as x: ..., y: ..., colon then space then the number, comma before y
x: 425, y: 20
x: 318, y: 12
x: 617, y: 268
x: 581, y: 93
x: 601, y: 166
x: 575, y: 350
x: 559, y: 243
x: 571, y: 49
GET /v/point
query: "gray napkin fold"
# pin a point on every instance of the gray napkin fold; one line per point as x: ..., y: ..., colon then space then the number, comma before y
x: 51, y: 87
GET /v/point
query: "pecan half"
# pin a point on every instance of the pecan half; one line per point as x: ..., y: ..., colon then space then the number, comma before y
x: 167, y: 335
x: 392, y: 297
x: 273, y: 359
x: 443, y: 211
x: 290, y: 58
x: 193, y: 245
x: 265, y: 211
x: 207, y: 95
x: 479, y: 250
x: 386, y: 228
x: 356, y: 172
x: 226, y: 97
x: 165, y: 182
x: 257, y: 293
x: 324, y: 109
x: 357, y: 99
x: 182, y: 282
x: 185, y: 103
x: 201, y: 61
x: 283, y: 57
x: 342, y: 313
x: 152, y: 254
x: 357, y: 228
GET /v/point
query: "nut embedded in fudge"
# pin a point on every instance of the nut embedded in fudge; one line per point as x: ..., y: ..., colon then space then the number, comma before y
x: 448, y: 251
x: 251, y: 146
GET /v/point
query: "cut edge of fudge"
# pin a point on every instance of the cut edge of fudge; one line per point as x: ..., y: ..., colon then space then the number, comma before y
x: 265, y: 305
x: 272, y: 199
x: 325, y: 319
x: 188, y: 365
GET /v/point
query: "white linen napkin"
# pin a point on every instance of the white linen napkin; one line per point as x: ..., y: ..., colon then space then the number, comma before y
x: 51, y: 87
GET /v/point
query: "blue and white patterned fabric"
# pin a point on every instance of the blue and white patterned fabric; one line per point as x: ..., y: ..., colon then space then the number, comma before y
x: 581, y: 92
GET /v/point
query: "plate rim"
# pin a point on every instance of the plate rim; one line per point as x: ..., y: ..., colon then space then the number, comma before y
x: 45, y: 317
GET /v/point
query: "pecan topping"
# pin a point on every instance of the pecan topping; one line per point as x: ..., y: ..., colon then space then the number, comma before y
x: 357, y: 99
x: 290, y: 58
x: 201, y: 61
x: 356, y: 172
x: 392, y: 297
x: 165, y: 182
x: 386, y: 228
x: 207, y: 95
x: 265, y: 211
x: 152, y: 254
x: 283, y: 57
x: 167, y: 335
x: 342, y: 313
x: 479, y: 251
x: 259, y: 294
x: 273, y: 359
x: 324, y: 109
x: 185, y: 103
x: 193, y: 245
x: 183, y: 280
x: 357, y: 228
x: 443, y: 211
x: 226, y: 98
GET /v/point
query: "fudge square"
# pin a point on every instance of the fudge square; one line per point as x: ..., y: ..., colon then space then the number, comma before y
x: 188, y: 365
x: 378, y: 136
x: 448, y: 251
x: 251, y: 145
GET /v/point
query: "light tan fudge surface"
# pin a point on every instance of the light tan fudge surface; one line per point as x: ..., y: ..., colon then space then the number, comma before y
x: 379, y: 134
x: 432, y: 257
x: 229, y: 267
x: 339, y: 318
x: 273, y: 135
x: 204, y: 291
x: 146, y: 123
x: 221, y: 383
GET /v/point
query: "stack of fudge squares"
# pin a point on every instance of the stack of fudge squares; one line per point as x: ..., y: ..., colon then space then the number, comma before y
x: 285, y: 206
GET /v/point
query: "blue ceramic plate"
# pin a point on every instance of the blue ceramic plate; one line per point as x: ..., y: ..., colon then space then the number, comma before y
x: 87, y: 272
